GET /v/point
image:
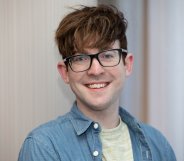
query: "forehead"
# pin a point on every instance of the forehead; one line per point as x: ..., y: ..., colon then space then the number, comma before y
x: 114, y: 45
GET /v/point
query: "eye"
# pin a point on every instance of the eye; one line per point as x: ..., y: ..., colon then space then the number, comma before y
x: 79, y: 59
x: 108, y: 55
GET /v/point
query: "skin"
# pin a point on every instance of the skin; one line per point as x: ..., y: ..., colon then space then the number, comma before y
x: 99, y: 104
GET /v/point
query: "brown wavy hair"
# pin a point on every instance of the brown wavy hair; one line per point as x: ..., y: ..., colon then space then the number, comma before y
x: 91, y: 27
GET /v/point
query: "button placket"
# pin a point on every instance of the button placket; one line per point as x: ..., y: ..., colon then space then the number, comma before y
x: 96, y: 146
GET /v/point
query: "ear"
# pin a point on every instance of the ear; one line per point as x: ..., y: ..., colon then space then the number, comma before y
x: 129, y: 64
x: 63, y: 71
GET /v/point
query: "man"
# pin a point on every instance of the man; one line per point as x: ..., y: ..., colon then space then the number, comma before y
x: 93, y: 44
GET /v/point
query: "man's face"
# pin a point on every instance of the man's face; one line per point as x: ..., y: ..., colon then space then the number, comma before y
x: 98, y: 88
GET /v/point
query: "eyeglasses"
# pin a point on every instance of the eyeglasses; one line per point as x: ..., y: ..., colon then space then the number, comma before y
x: 106, y: 58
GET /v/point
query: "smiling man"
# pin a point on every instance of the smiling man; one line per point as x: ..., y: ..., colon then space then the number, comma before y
x: 96, y: 77
x: 93, y: 44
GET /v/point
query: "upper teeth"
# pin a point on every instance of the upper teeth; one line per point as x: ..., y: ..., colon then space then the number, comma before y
x: 96, y: 85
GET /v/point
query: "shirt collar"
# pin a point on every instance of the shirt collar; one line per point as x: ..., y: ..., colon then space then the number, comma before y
x: 129, y: 119
x: 81, y: 122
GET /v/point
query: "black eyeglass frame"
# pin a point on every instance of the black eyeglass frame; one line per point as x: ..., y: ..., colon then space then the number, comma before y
x: 121, y: 51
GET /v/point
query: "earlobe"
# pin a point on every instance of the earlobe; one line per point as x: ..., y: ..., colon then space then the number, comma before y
x: 129, y: 64
x: 63, y: 71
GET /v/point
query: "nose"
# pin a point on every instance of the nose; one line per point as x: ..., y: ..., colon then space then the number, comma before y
x: 96, y: 68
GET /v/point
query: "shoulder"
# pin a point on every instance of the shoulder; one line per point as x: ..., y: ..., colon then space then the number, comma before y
x: 157, y: 142
x: 50, y: 131
x: 151, y: 137
x: 46, y: 140
x: 151, y: 132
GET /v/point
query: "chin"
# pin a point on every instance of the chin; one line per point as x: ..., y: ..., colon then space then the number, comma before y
x: 99, y: 106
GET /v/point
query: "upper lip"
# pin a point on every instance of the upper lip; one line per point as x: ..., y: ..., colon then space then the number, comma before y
x: 101, y: 82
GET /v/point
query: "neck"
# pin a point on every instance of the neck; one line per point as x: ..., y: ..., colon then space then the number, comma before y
x: 108, y: 121
x: 108, y: 118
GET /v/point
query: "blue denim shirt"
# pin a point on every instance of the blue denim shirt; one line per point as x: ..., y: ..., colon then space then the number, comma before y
x: 73, y: 137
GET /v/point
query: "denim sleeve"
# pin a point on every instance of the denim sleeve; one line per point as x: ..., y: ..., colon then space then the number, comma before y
x: 35, y: 150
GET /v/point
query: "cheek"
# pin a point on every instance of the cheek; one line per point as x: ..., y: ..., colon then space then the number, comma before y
x: 71, y: 79
x: 74, y: 79
x: 120, y: 76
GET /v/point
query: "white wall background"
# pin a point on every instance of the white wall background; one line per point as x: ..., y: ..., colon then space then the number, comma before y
x: 166, y: 68
x: 31, y: 91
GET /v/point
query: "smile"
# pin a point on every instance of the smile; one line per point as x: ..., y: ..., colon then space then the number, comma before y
x: 97, y: 85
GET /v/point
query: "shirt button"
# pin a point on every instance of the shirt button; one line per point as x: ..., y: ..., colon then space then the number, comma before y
x: 95, y: 153
x: 95, y: 126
